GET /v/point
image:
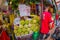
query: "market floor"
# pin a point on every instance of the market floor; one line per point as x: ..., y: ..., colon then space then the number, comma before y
x: 30, y: 38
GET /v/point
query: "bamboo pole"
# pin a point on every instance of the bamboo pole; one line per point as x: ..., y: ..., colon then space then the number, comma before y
x: 41, y: 13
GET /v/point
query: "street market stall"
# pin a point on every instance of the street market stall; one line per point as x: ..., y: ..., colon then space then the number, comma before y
x: 22, y: 20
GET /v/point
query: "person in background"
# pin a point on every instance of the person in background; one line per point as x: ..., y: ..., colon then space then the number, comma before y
x: 58, y: 29
x: 3, y: 34
x: 56, y: 34
x: 57, y: 17
x: 58, y: 24
x: 46, y: 23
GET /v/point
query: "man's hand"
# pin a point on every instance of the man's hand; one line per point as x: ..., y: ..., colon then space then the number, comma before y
x: 52, y: 31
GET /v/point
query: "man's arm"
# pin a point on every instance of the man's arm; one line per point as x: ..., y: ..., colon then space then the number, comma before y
x: 50, y: 25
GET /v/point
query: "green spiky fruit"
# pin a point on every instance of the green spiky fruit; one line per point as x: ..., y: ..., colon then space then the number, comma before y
x: 26, y: 21
x: 22, y: 22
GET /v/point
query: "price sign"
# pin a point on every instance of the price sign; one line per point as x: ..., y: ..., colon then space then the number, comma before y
x: 24, y: 10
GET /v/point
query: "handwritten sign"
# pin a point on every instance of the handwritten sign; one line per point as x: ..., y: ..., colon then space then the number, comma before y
x: 24, y: 10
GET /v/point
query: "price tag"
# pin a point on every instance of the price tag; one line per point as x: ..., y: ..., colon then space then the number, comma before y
x: 17, y: 21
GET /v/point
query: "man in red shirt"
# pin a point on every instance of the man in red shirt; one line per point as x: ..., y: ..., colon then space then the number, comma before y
x: 46, y: 23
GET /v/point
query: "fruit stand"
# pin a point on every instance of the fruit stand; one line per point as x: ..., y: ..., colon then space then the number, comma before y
x: 27, y: 26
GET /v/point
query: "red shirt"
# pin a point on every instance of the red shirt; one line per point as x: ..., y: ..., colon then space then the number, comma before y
x: 45, y: 22
x: 57, y: 16
x: 4, y: 36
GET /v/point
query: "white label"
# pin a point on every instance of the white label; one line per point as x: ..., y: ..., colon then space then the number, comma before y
x: 17, y: 21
